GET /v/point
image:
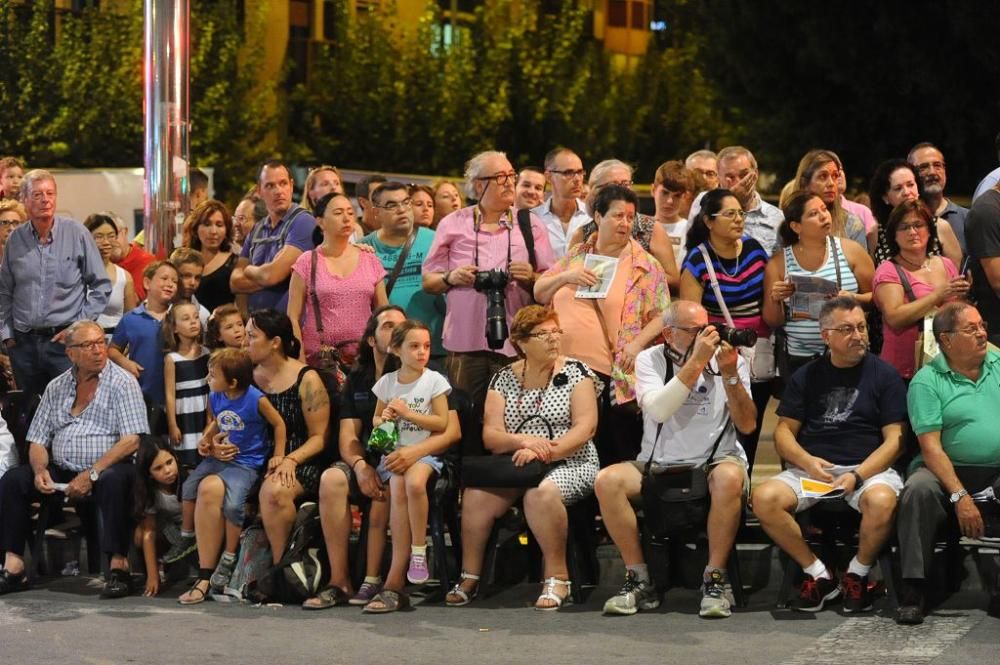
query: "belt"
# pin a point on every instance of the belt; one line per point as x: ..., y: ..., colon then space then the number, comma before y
x: 45, y: 332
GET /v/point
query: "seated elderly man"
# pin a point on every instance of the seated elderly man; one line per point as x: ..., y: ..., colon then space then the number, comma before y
x: 840, y: 422
x: 690, y: 390
x: 952, y: 402
x: 81, y: 443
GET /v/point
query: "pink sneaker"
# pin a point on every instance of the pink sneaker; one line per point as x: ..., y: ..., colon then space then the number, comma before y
x: 417, y: 572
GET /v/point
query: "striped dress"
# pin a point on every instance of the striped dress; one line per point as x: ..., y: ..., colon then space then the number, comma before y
x: 804, y: 339
x: 191, y: 399
x: 741, y: 281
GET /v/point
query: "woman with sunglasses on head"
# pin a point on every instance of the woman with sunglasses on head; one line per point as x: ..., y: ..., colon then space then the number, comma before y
x: 717, y: 244
x: 912, y: 284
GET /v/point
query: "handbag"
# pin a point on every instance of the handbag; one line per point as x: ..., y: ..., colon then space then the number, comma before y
x: 760, y: 358
x: 675, y: 498
x: 500, y: 471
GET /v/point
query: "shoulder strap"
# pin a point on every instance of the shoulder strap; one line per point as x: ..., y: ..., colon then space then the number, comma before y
x: 400, y: 260
x: 715, y: 285
x: 312, y: 292
x: 835, y: 255
x: 288, y: 224
x: 905, y: 282
x: 524, y: 223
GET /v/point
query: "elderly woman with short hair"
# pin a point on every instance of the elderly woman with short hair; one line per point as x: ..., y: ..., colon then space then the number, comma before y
x: 542, y: 407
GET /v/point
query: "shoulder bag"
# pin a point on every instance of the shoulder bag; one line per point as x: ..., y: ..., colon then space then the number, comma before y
x: 500, y: 471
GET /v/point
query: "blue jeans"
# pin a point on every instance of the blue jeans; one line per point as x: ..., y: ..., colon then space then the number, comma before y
x: 36, y: 360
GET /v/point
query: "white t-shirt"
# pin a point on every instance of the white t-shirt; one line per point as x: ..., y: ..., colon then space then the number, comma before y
x: 8, y: 448
x: 688, y: 436
x: 678, y: 238
x: 417, y: 395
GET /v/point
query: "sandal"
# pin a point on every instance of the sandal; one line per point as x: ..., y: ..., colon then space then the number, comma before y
x: 464, y: 597
x: 331, y: 596
x: 188, y: 597
x: 390, y: 601
x: 548, y: 593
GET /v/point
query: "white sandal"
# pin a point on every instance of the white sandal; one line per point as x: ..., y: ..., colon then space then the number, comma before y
x: 548, y: 594
x: 466, y: 597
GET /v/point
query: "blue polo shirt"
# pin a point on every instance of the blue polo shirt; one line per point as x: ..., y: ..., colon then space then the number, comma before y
x: 264, y: 243
x: 138, y: 334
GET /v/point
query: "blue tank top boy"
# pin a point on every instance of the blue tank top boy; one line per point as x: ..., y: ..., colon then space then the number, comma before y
x: 240, y: 418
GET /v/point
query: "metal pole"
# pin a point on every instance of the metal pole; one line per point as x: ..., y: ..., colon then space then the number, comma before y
x: 166, y: 121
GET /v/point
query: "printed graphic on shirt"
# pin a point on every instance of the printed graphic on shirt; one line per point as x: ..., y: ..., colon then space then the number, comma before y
x: 230, y: 421
x: 839, y: 404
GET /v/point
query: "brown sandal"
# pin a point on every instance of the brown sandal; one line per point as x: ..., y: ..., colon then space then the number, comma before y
x: 329, y: 597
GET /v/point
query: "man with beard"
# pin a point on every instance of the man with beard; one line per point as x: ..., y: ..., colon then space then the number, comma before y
x: 840, y: 422
x: 930, y: 165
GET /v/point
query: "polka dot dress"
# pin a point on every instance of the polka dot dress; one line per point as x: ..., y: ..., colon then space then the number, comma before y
x: 575, y: 476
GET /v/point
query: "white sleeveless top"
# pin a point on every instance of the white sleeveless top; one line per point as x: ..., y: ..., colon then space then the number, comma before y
x: 116, y: 302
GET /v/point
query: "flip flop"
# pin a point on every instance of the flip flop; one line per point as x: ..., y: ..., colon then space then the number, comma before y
x: 197, y: 599
x: 391, y: 601
x: 329, y: 597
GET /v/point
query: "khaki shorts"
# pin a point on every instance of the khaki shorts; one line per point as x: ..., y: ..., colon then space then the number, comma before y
x: 726, y: 459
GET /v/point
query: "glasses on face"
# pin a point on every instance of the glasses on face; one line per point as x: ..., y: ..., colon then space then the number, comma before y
x: 393, y: 206
x: 906, y: 228
x: 691, y: 330
x: 546, y: 334
x: 91, y: 345
x: 732, y: 214
x: 972, y: 329
x: 500, y: 178
x: 9, y: 222
x: 102, y: 237
x: 847, y: 330
x: 706, y: 173
x: 569, y: 174
x: 927, y: 166
x: 620, y: 183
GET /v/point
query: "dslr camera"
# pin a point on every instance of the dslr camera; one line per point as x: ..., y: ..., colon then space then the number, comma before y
x: 746, y: 337
x: 493, y: 283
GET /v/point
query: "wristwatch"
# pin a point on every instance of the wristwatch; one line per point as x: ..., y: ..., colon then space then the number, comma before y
x: 444, y: 278
x: 94, y: 474
x: 733, y: 380
x: 957, y: 496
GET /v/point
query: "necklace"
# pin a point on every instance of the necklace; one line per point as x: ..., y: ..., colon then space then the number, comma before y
x: 926, y: 265
x: 540, y: 398
x: 722, y: 267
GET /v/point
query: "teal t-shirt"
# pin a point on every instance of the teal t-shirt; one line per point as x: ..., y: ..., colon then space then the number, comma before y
x: 941, y: 400
x: 408, y: 292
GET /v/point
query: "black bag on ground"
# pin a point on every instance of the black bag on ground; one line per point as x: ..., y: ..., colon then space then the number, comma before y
x: 299, y: 574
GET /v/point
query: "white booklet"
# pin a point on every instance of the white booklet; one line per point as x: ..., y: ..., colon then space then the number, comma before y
x: 605, y: 268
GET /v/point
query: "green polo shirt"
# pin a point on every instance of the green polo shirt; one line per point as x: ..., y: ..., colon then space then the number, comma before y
x: 942, y: 400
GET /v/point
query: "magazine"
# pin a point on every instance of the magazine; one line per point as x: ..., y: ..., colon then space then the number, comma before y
x: 605, y: 268
x: 809, y: 296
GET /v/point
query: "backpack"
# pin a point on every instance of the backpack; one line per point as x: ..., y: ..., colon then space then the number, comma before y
x: 299, y: 574
x: 252, y: 564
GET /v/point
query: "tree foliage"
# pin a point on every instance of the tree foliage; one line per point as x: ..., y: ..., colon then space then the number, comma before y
x: 391, y: 97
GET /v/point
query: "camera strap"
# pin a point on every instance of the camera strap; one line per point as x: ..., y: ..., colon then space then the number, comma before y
x: 710, y: 269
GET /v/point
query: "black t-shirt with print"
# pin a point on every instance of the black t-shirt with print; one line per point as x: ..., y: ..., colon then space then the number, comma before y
x: 843, y: 410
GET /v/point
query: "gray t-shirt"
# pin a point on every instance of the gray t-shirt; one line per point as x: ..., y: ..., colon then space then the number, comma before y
x: 982, y: 233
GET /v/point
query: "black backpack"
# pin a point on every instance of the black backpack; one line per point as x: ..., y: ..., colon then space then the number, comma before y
x: 300, y: 572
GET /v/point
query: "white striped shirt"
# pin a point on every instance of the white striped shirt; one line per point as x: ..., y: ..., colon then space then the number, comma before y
x: 804, y: 338
x: 76, y: 442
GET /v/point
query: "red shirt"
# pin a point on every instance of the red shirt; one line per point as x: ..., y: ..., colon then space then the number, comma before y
x: 135, y: 263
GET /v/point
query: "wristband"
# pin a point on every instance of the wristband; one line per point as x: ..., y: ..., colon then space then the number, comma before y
x: 444, y: 278
x: 360, y: 459
x: 858, y: 480
x: 290, y: 459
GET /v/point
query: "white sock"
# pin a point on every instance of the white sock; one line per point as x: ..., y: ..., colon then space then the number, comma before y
x: 418, y: 549
x: 187, y: 534
x: 229, y: 556
x: 641, y: 571
x: 376, y: 580
x: 858, y: 568
x: 817, y: 570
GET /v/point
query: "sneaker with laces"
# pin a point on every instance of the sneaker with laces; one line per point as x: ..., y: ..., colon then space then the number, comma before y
x: 634, y: 595
x: 418, y: 573
x: 223, y: 573
x: 814, y: 594
x: 365, y: 593
x: 857, y: 595
x: 717, y: 597
x: 118, y: 584
x: 184, y: 546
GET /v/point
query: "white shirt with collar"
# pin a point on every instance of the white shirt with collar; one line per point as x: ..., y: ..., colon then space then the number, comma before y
x: 559, y: 238
x: 761, y: 224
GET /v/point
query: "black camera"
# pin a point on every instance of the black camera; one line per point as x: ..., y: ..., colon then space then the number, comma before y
x: 493, y: 283
x: 736, y: 336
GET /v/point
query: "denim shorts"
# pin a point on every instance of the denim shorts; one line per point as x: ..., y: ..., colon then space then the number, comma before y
x: 430, y: 460
x: 239, y: 481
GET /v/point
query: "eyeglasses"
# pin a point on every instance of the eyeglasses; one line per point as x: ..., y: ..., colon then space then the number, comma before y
x: 707, y: 173
x: 731, y: 214
x: 972, y: 329
x: 620, y: 183
x: 906, y: 228
x: 692, y: 330
x: 101, y: 237
x: 393, y: 206
x: 546, y: 334
x: 500, y: 178
x: 569, y: 174
x: 9, y: 222
x: 91, y: 345
x: 847, y: 329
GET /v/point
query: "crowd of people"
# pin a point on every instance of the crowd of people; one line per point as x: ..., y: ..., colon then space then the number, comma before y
x: 597, y: 347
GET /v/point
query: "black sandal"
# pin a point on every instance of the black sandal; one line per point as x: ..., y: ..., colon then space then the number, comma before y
x: 329, y: 597
x: 11, y: 582
x: 197, y: 599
